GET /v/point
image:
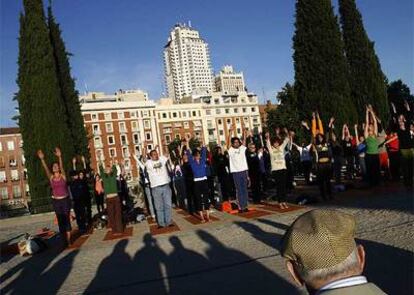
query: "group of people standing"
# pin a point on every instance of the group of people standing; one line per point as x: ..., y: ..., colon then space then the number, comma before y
x: 199, y: 178
x: 77, y: 192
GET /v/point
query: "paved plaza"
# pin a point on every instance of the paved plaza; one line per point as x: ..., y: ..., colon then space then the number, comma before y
x: 233, y: 255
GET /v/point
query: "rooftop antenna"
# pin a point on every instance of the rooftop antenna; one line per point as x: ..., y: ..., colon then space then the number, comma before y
x: 189, y: 23
x: 86, y: 88
x: 264, y: 96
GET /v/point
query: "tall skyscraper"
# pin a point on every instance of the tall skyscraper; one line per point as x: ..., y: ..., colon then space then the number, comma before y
x: 187, y: 63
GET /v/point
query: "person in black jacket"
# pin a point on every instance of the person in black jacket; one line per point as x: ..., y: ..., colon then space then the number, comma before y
x: 253, y: 163
x: 77, y: 191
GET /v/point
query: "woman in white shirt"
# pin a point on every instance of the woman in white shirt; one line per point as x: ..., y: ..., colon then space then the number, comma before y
x: 278, y: 164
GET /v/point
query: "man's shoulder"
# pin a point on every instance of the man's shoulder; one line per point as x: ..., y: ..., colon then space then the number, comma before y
x: 363, y: 289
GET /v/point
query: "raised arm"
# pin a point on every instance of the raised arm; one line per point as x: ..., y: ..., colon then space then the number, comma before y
x: 343, y: 131
x: 228, y: 143
x: 269, y: 145
x: 356, y: 134
x: 74, y: 163
x: 244, y: 141
x: 366, y: 123
x: 313, y: 124
x: 84, y: 162
x: 58, y: 154
x: 44, y: 165
x: 375, y: 121
x: 320, y: 125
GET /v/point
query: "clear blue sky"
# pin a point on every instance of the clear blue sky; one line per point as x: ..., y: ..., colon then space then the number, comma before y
x: 118, y: 44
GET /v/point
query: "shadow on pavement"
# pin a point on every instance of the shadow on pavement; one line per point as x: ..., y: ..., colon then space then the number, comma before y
x: 34, y: 273
x: 221, y: 270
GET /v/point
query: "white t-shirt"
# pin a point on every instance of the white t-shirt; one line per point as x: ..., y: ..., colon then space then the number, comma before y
x: 237, y: 157
x: 157, y: 172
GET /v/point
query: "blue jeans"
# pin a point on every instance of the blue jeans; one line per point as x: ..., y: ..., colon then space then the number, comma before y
x: 240, y: 182
x: 162, y: 203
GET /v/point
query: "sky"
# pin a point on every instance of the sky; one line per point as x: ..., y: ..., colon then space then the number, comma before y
x: 118, y: 44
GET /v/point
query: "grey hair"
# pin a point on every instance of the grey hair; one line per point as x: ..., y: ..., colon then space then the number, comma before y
x: 350, y: 264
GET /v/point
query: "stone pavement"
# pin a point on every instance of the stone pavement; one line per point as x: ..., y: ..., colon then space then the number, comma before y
x: 231, y: 256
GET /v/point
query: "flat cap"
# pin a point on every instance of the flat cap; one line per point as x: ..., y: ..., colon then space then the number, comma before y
x: 319, y: 239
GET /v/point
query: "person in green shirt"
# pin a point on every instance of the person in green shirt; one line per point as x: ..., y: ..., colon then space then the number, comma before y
x: 372, y: 155
x: 113, y: 203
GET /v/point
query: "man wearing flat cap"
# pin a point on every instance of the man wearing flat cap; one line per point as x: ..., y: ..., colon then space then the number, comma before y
x: 322, y: 254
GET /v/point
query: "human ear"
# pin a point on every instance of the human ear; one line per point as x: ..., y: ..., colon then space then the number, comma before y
x: 294, y: 274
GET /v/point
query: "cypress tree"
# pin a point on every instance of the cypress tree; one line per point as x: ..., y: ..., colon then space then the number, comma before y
x: 321, y: 71
x: 367, y: 81
x: 67, y: 87
x: 42, y: 115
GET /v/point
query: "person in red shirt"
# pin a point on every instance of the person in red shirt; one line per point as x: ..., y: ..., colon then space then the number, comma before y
x: 393, y: 149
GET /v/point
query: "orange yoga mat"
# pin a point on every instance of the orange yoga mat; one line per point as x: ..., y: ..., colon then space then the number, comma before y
x: 124, y: 235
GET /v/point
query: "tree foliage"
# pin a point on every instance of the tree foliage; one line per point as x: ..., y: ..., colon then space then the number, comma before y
x: 398, y: 93
x: 321, y: 70
x: 366, y: 78
x: 42, y: 114
x: 67, y: 87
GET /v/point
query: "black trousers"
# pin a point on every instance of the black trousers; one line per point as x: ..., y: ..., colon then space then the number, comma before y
x: 255, y: 186
x: 80, y: 213
x: 99, y: 200
x: 373, y: 168
x: 280, y: 177
x: 324, y: 175
x: 394, y: 165
x: 201, y: 194
x: 307, y: 168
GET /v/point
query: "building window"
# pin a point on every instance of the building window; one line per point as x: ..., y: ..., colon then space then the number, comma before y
x: 17, y: 193
x: 194, y: 113
x: 150, y: 147
x: 227, y: 111
x: 1, y: 147
x: 120, y: 115
x: 12, y: 161
x: 14, y: 175
x: 109, y: 127
x: 133, y: 114
x: 244, y: 110
x: 253, y: 110
x: 127, y: 164
x: 122, y: 127
x: 125, y: 152
x: 107, y: 116
x: 4, y: 193
x: 148, y: 135
x: 246, y: 119
x: 94, y: 117
x: 219, y: 121
x: 254, y: 120
x: 136, y: 138
x: 218, y: 111
x: 164, y: 115
x: 112, y: 152
x: 124, y: 140
x: 186, y: 125
x: 184, y: 114
x: 111, y: 140
x: 237, y: 120
x: 197, y: 134
x: 228, y: 121
x: 174, y: 115
x: 2, y: 162
x: 97, y: 141
x: 208, y: 112
x: 178, y: 136
x: 221, y: 132
x: 10, y: 145
x: 95, y: 129
x: 238, y: 131
x: 3, y: 176
x: 236, y: 110
x: 167, y: 139
x: 145, y: 114
x: 147, y: 124
x: 134, y: 125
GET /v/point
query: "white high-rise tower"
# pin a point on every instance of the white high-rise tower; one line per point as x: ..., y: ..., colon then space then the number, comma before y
x: 187, y: 63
